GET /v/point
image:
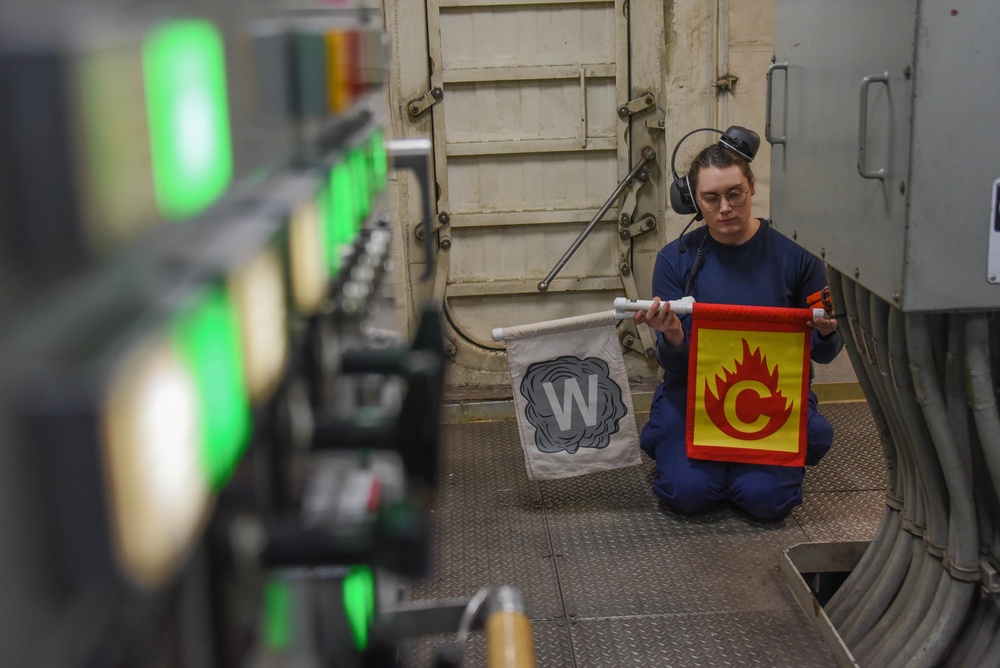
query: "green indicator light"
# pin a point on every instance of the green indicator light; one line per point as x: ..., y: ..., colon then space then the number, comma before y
x: 345, y: 204
x: 362, y: 183
x: 359, y: 603
x: 380, y: 161
x: 185, y: 78
x: 207, y: 338
x: 328, y: 214
x: 277, y: 615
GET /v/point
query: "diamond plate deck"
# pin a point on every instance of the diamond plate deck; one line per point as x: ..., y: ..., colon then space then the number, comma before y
x: 488, y: 527
x: 609, y: 579
x: 771, y: 639
x: 840, y: 516
x: 615, y: 564
x: 855, y: 462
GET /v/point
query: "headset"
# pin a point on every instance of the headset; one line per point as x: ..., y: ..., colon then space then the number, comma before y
x: 736, y: 138
x: 745, y: 143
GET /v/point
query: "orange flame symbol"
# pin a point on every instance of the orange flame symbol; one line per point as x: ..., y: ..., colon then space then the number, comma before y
x: 749, y: 406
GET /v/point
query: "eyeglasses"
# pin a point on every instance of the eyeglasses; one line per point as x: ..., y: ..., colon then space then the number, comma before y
x: 736, y: 197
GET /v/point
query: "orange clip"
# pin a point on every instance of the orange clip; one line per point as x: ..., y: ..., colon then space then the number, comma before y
x: 821, y: 298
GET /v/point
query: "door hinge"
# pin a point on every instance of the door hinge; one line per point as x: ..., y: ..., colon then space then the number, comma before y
x: 421, y: 104
x: 644, y: 101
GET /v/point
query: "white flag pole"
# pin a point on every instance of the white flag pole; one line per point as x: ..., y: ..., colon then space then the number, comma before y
x: 678, y: 306
x: 570, y: 324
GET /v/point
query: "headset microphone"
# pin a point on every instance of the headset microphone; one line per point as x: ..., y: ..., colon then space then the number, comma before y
x: 680, y: 239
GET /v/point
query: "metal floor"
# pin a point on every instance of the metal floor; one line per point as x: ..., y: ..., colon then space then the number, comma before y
x: 610, y: 579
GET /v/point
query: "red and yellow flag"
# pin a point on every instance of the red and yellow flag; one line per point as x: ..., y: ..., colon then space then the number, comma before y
x: 748, y: 384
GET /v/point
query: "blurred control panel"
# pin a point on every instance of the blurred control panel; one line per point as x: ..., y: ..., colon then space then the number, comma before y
x: 207, y: 455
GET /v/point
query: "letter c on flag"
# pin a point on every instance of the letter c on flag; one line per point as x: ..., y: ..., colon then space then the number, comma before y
x: 732, y: 416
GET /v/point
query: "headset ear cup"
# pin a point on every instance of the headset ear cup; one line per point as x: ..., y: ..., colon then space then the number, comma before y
x: 744, y: 141
x: 681, y: 200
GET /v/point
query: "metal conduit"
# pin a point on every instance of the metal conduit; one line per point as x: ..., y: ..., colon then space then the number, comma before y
x: 925, y: 570
x: 884, y: 588
x: 982, y: 400
x: 880, y: 595
x: 981, y: 626
x: 932, y: 582
x: 857, y: 350
x: 957, y: 405
x: 979, y: 364
x: 888, y: 580
x: 842, y: 292
x: 907, y: 617
x: 929, y: 484
x: 932, y: 383
x: 859, y: 304
x: 916, y: 508
x: 909, y: 597
x: 991, y: 658
x: 986, y: 498
x: 949, y: 593
x: 885, y: 437
x: 979, y: 632
x: 932, y: 489
x: 936, y: 633
x: 956, y: 401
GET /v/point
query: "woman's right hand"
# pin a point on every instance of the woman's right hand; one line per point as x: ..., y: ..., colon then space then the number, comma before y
x: 662, y: 318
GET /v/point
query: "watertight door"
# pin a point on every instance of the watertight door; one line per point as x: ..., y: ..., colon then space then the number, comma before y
x: 528, y: 145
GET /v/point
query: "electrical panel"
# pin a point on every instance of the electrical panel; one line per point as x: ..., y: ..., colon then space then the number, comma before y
x: 884, y: 163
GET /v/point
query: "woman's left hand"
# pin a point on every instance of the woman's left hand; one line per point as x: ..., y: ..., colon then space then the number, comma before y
x: 825, y: 326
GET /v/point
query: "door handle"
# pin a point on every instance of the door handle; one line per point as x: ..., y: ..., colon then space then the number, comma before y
x: 771, y: 139
x: 863, y: 126
x: 415, y: 155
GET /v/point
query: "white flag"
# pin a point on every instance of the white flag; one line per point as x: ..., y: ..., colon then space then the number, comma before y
x: 571, y: 393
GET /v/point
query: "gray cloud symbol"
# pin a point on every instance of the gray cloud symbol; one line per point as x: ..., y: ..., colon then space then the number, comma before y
x: 573, y: 403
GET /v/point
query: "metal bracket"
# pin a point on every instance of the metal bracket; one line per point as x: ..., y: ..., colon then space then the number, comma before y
x: 645, y: 223
x: 421, y: 104
x: 630, y: 342
x: 627, y: 209
x: 989, y: 579
x: 412, y: 620
x: 443, y: 219
x: 644, y: 101
x: 645, y: 344
x: 656, y: 124
x: 725, y: 84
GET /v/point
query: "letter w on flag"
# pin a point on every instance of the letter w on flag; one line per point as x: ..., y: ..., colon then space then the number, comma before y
x: 748, y: 384
x: 563, y: 410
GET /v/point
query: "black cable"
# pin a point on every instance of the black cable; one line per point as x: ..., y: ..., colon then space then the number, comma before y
x: 699, y: 259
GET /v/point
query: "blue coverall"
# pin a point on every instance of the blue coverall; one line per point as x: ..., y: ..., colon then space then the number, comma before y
x: 766, y: 270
